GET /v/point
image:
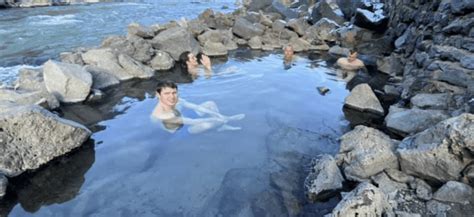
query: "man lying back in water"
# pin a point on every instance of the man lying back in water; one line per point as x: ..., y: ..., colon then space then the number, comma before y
x: 165, y: 111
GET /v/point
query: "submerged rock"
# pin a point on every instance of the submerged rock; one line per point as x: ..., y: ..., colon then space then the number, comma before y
x: 324, y: 178
x: 453, y: 191
x: 35, y: 136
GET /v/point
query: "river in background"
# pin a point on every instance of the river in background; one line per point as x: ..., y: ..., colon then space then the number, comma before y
x: 31, y: 36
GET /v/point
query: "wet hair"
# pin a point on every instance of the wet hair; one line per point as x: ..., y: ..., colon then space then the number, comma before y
x: 198, y: 57
x: 352, y: 51
x: 162, y: 84
x: 183, y: 58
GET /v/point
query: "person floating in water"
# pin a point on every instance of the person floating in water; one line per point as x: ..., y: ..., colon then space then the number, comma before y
x: 289, y: 56
x: 350, y: 63
x: 172, y: 120
x: 190, y: 63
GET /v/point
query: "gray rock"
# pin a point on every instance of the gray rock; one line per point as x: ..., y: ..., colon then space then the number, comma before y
x: 469, y: 173
x: 175, y: 41
x: 255, y: 42
x: 101, y: 78
x: 437, y: 153
x: 362, y: 98
x: 365, y: 200
x: 30, y: 97
x: 430, y: 101
x: 299, y: 25
x: 453, y: 191
x: 30, y: 79
x: 281, y: 9
x: 338, y: 51
x: 406, y: 214
x: 436, y: 208
x: 399, y: 176
x: 422, y: 189
x: 143, y: 50
x: 117, y: 44
x: 461, y: 6
x: 259, y: 5
x: 452, y: 73
x: 35, y: 137
x: 365, y: 152
x: 467, y: 62
x: 197, y: 27
x: 222, y: 36
x: 461, y: 25
x: 323, y: 10
x: 135, y: 68
x: 246, y: 30
x: 71, y: 57
x: 162, y: 61
x: 390, y: 65
x: 323, y: 30
x: 67, y: 82
x: 408, y: 121
x: 271, y: 39
x: 299, y: 44
x: 3, y: 185
x: 324, y: 177
x: 265, y: 19
x: 135, y: 29
x: 389, y: 187
x: 278, y: 25
x: 105, y: 58
x: 214, y: 49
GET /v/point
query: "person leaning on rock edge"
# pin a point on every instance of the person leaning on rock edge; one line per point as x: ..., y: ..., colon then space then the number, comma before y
x: 350, y: 62
x: 190, y: 63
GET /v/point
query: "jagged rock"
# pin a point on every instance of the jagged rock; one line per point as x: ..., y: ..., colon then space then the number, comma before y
x: 105, y: 58
x: 143, y: 51
x: 376, y: 20
x: 197, y: 27
x: 35, y: 137
x: 218, y: 36
x: 67, y: 82
x: 422, y: 189
x: 71, y: 57
x: 461, y: 25
x: 323, y: 30
x: 245, y: 29
x: 30, y: 79
x: 323, y: 9
x: 135, y: 68
x: 438, y: 153
x: 388, y: 186
x: 135, y: 29
x: 325, y: 177
x: 362, y: 98
x: 101, y: 78
x: 430, y: 101
x: 461, y: 6
x: 162, y: 61
x: 214, y: 49
x: 157, y: 28
x: 453, y: 191
x: 3, y: 185
x: 281, y: 9
x: 452, y: 73
x: 407, y: 121
x: 259, y: 5
x: 95, y: 96
x: 265, y: 19
x: 175, y: 41
x: 278, y: 25
x: 469, y: 174
x: 255, y: 42
x: 117, y: 44
x: 252, y: 16
x: 298, y: 25
x: 30, y: 97
x: 271, y: 39
x: 299, y: 44
x: 338, y: 51
x: 365, y: 152
x: 390, y: 65
x: 365, y: 200
x: 399, y: 176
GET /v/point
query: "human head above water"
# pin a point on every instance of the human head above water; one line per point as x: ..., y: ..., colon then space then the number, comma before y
x: 163, y: 84
x: 187, y: 59
x: 288, y: 50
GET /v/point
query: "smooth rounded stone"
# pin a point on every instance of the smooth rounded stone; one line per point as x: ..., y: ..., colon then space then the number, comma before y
x: 101, y: 78
x: 299, y: 44
x: 399, y: 176
x: 162, y: 61
x: 135, y: 68
x: 105, y: 58
x: 135, y: 29
x: 3, y: 185
x: 387, y: 185
x: 255, y: 42
x: 362, y: 98
x: 69, y: 83
x: 422, y: 189
x: 175, y: 41
x: 365, y: 152
x: 246, y: 30
x: 437, y: 153
x: 35, y: 137
x: 278, y: 25
x: 71, y: 57
x: 324, y: 29
x: 364, y: 200
x: 30, y: 97
x: 30, y: 79
x: 299, y: 25
x: 214, y: 49
x: 338, y: 51
x: 453, y: 191
x: 325, y: 177
x: 409, y: 121
x: 430, y: 101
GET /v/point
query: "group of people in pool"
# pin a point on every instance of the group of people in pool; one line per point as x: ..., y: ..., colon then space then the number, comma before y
x: 167, y: 94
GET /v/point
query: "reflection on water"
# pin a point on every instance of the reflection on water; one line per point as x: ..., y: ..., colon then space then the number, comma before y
x: 142, y: 170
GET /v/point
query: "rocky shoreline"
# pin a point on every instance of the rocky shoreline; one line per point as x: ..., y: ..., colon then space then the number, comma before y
x: 43, y: 3
x: 417, y: 161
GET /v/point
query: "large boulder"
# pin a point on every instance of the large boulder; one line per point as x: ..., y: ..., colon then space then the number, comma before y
x: 246, y: 30
x: 365, y: 200
x: 162, y: 61
x: 30, y: 79
x: 375, y: 20
x: 67, y: 82
x: 453, y: 191
x: 362, y: 98
x: 299, y: 25
x: 101, y: 78
x: 431, y: 101
x: 35, y: 136
x: 325, y: 177
x: 323, y: 10
x: 135, y: 68
x: 440, y: 153
x: 323, y: 30
x: 105, y: 58
x: 365, y: 152
x: 256, y: 5
x: 30, y: 97
x: 408, y: 121
x: 135, y: 29
x: 214, y: 49
x: 175, y: 41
